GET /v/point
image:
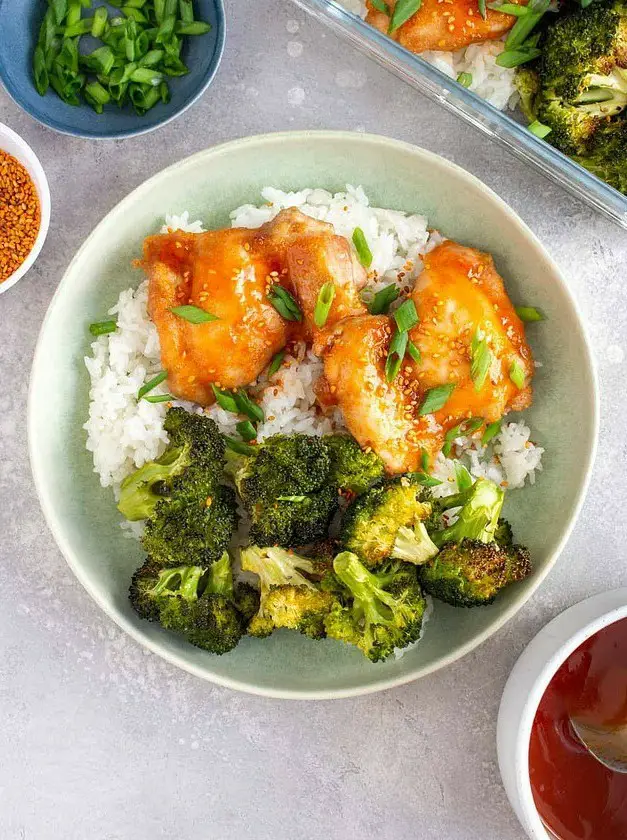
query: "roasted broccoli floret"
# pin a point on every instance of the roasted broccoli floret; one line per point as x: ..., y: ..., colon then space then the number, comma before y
x: 378, y: 611
x: 192, y: 530
x: 289, y: 598
x: 528, y: 85
x: 471, y: 573
x: 286, y: 487
x: 385, y: 523
x: 478, y: 517
x: 606, y: 156
x: 198, y: 603
x: 503, y: 534
x: 190, y: 466
x: 581, y: 78
x: 353, y: 469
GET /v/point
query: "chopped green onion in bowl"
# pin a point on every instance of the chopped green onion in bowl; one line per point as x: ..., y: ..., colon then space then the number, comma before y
x: 103, y: 327
x: 323, y: 304
x: 361, y: 246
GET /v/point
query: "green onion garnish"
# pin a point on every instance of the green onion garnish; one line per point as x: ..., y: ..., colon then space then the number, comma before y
x: 514, y: 58
x: 380, y: 6
x: 424, y: 460
x: 323, y: 304
x: 414, y: 352
x: 403, y: 10
x: 509, y: 9
x: 383, y: 299
x: 246, y: 430
x: 480, y: 361
x: 103, y: 327
x: 291, y: 498
x: 284, y: 303
x: 436, y: 398
x: 236, y: 445
x: 425, y: 480
x: 529, y: 314
x: 465, y: 79
x: 361, y: 246
x: 517, y: 374
x: 152, y: 383
x: 225, y: 399
x: 482, y: 9
x: 406, y: 316
x: 466, y: 427
x: 396, y: 354
x: 159, y: 398
x: 539, y: 129
x: 276, y: 362
x: 463, y: 477
x: 193, y: 314
x: 246, y: 406
x: 491, y: 431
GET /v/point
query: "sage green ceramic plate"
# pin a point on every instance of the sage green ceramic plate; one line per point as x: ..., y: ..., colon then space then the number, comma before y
x: 83, y: 517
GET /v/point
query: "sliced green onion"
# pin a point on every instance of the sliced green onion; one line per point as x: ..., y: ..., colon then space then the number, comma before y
x: 529, y: 314
x: 482, y: 9
x: 276, y: 362
x: 225, y: 399
x: 380, y: 6
x: 514, y: 58
x: 186, y: 11
x: 406, y: 316
x: 383, y: 299
x: 323, y: 304
x: 82, y: 27
x: 284, y: 303
x: 134, y: 14
x: 237, y: 446
x: 491, y: 431
x: 291, y: 498
x: 361, y: 246
x: 159, y: 398
x: 436, y: 398
x: 103, y: 327
x: 96, y: 96
x: 248, y: 407
x: 480, y: 361
x: 40, y: 71
x: 466, y: 427
x: 152, y: 383
x: 517, y: 374
x: 465, y: 79
x: 198, y: 27
x: 523, y: 27
x: 396, y: 354
x: 246, y: 430
x: 152, y: 58
x: 403, y: 11
x: 539, y: 129
x: 424, y: 460
x: 463, y: 477
x: 414, y: 352
x: 99, y: 22
x: 193, y: 314
x: 425, y: 480
x: 509, y: 9
x: 100, y: 61
x: 146, y: 76
x: 59, y: 7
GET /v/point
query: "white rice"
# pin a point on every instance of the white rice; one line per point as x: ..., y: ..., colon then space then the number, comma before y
x: 124, y: 434
x: 491, y: 82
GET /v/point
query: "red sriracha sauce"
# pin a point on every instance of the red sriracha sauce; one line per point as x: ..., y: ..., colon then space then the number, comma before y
x: 576, y: 796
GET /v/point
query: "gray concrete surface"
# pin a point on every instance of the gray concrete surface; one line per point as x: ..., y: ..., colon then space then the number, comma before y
x: 98, y: 738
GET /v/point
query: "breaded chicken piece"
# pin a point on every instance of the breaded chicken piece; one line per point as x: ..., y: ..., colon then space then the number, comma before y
x: 444, y: 25
x: 381, y: 415
x: 315, y: 260
x: 460, y: 299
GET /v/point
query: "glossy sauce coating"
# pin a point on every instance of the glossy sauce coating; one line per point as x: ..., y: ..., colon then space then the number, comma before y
x: 576, y: 796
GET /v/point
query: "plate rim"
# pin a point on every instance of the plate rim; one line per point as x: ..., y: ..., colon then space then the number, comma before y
x: 386, y: 683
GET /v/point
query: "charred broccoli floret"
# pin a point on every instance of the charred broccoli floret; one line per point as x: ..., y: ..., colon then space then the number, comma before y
x: 286, y: 487
x: 289, y: 598
x: 471, y: 573
x: 198, y: 603
x: 606, y: 156
x: 192, y: 530
x: 379, y: 611
x: 581, y: 77
x: 190, y: 467
x: 353, y: 469
x: 385, y: 523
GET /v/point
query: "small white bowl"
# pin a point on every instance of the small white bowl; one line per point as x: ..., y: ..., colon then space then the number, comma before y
x: 13, y: 144
x: 526, y: 686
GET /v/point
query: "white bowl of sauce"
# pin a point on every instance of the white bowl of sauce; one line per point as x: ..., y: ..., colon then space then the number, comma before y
x: 576, y: 666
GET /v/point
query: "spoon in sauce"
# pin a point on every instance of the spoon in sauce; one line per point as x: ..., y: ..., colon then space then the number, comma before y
x: 608, y: 746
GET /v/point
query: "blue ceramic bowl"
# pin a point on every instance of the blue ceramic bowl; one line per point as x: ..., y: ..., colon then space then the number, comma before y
x: 19, y: 25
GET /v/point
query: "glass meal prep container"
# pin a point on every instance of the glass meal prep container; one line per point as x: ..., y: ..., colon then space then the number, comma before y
x: 498, y: 125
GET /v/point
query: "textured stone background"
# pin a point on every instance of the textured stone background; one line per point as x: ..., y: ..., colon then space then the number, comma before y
x: 99, y: 739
